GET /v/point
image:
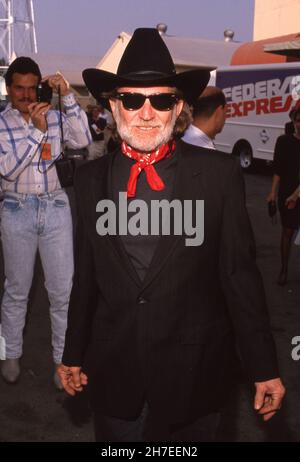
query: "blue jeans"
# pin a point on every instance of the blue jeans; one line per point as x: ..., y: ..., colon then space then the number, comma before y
x: 29, y: 223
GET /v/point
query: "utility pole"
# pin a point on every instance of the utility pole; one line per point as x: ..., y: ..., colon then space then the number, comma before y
x: 17, y: 30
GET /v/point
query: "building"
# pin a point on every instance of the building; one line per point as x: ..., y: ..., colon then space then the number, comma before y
x: 273, y: 50
x: 276, y: 18
x: 277, y: 29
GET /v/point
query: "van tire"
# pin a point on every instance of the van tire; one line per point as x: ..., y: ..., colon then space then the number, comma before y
x: 243, y: 150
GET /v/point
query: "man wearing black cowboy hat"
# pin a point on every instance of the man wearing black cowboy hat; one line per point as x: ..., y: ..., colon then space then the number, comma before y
x: 155, y: 315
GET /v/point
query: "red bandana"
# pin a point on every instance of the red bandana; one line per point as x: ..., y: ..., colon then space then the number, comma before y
x: 145, y: 161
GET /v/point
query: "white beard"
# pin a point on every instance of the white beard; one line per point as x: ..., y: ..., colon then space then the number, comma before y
x: 152, y: 142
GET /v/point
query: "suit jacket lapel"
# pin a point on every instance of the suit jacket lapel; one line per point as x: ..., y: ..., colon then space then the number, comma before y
x: 106, y: 192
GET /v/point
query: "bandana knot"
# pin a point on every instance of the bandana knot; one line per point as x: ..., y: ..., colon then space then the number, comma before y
x: 145, y: 162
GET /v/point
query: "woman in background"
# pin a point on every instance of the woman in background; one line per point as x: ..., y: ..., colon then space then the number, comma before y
x: 286, y: 181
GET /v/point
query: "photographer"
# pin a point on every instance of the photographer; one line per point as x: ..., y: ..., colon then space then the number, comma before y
x: 36, y: 214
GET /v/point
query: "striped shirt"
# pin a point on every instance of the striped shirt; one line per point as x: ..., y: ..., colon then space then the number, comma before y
x: 21, y: 144
x: 193, y: 135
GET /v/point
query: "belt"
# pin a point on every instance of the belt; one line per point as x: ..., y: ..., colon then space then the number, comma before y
x: 24, y: 196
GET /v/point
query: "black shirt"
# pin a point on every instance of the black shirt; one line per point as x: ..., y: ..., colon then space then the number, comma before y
x: 141, y: 248
x: 287, y: 164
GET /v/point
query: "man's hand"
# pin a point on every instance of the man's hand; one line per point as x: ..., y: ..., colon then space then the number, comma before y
x: 72, y: 379
x: 37, y: 113
x: 268, y: 397
x: 291, y: 201
x: 271, y: 197
x: 56, y: 81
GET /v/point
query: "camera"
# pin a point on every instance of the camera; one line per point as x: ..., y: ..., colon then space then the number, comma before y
x: 44, y: 92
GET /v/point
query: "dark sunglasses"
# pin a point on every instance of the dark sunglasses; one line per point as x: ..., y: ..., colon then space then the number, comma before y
x: 159, y: 101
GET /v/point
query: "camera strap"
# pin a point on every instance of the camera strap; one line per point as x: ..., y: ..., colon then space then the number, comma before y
x: 65, y: 167
x: 62, y: 141
x: 61, y: 128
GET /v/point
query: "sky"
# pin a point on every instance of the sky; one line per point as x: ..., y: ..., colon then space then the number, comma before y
x: 89, y: 27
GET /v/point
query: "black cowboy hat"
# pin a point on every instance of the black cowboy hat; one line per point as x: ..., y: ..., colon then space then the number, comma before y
x: 146, y: 62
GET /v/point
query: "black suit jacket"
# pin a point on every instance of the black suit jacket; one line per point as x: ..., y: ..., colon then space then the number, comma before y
x: 170, y: 339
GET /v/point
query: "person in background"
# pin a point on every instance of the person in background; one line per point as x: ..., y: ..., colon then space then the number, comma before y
x: 101, y: 125
x: 285, y: 181
x: 105, y: 114
x: 292, y: 200
x: 291, y: 203
x: 35, y: 213
x: 209, y: 114
x: 289, y: 128
x: 97, y: 125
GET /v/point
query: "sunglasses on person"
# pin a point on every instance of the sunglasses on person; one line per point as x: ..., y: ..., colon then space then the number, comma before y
x: 159, y: 101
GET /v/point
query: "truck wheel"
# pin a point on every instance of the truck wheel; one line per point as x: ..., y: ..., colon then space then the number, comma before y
x: 243, y: 150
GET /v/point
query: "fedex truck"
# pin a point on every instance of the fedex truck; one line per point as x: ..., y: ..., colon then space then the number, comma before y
x: 259, y: 99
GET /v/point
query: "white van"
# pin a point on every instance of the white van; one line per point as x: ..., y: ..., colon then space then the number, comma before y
x: 259, y: 99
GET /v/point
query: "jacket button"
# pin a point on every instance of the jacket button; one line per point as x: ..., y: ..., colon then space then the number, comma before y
x: 142, y: 300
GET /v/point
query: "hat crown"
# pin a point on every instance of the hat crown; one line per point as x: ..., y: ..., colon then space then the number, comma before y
x: 146, y: 53
x: 146, y: 62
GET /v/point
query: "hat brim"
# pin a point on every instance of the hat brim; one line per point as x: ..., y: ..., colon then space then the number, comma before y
x: 190, y: 83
